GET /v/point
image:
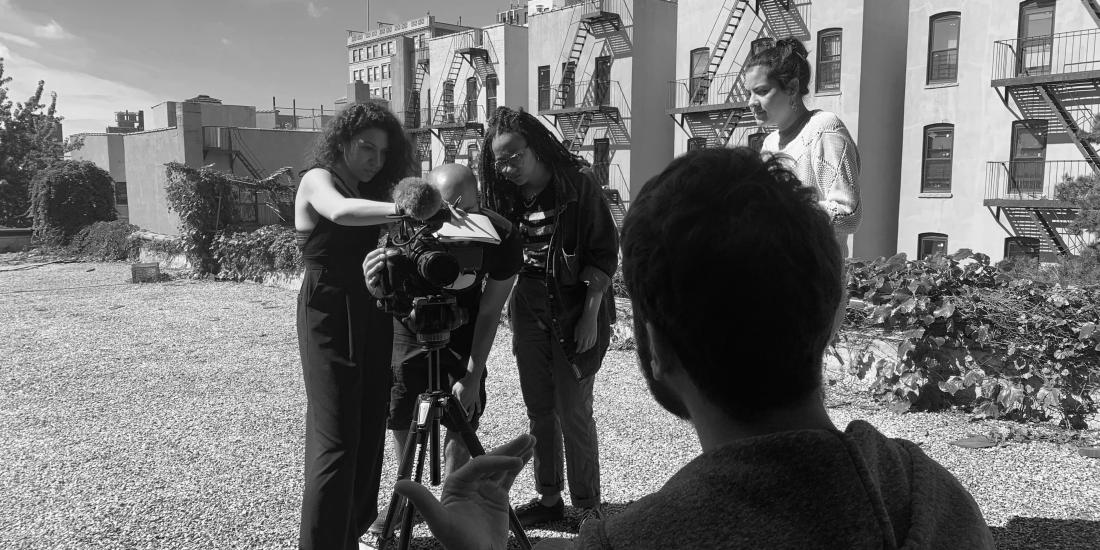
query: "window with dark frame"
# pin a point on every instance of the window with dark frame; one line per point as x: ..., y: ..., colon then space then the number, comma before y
x: 943, y: 47
x: 696, y: 143
x: 828, y: 60
x: 698, y: 62
x: 544, y: 87
x: 939, y: 140
x: 490, y: 95
x: 930, y: 244
x: 1021, y: 247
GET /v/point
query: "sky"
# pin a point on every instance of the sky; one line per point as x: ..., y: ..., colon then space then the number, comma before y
x: 103, y: 56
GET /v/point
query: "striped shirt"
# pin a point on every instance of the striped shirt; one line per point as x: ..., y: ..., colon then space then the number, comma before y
x: 536, y: 225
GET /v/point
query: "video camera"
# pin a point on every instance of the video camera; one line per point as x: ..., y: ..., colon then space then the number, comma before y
x: 419, y: 267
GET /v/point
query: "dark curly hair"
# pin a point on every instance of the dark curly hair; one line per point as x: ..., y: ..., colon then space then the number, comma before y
x: 748, y: 233
x: 354, y: 119
x: 786, y: 61
x: 501, y: 195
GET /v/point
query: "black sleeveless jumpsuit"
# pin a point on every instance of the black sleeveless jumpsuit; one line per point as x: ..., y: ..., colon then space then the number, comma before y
x: 345, y: 343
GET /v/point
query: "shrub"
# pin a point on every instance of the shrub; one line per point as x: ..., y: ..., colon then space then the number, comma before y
x: 251, y: 255
x: 69, y: 196
x: 975, y: 336
x: 106, y: 241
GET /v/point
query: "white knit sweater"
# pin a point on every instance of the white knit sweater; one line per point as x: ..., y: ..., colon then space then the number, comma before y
x: 824, y: 156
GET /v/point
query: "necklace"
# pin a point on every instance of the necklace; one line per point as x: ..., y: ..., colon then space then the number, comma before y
x: 529, y: 202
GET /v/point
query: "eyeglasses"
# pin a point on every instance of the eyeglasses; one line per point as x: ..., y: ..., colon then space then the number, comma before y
x: 512, y: 160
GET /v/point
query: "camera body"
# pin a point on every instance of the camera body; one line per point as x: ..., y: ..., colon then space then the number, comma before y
x: 418, y: 268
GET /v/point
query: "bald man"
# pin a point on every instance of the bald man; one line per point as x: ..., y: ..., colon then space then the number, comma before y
x: 489, y: 271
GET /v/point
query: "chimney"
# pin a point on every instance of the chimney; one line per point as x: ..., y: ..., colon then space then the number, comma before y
x: 141, y: 121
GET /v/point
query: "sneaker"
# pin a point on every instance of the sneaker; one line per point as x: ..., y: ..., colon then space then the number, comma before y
x: 589, y: 514
x: 534, y: 513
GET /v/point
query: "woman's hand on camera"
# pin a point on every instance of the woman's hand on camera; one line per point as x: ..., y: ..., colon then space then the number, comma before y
x: 372, y: 270
x: 473, y: 512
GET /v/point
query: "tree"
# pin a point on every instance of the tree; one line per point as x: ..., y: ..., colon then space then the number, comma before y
x: 30, y: 140
x: 69, y: 196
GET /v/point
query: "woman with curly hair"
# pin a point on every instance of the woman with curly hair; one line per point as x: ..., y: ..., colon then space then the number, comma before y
x: 561, y: 308
x: 814, y: 144
x: 344, y: 340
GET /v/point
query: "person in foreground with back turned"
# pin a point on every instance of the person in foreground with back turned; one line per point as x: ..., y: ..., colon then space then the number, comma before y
x: 344, y: 340
x: 718, y: 233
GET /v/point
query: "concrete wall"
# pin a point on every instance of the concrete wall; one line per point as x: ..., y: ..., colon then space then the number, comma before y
x: 512, y: 90
x: 652, y: 132
x: 241, y: 116
x: 983, y: 124
x: 877, y: 124
x: 146, y: 178
x: 161, y: 115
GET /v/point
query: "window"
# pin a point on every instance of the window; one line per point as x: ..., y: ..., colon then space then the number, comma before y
x: 943, y: 48
x: 355, y: 55
x: 449, y: 153
x: 828, y: 60
x: 756, y: 141
x: 544, y: 87
x: 567, y: 93
x: 490, y: 95
x: 698, y: 63
x: 386, y: 71
x: 1027, y: 160
x: 696, y: 143
x: 939, y: 140
x: 120, y: 193
x: 1035, y: 35
x: 471, y: 98
x: 448, y: 98
x: 930, y: 244
x: 1022, y: 247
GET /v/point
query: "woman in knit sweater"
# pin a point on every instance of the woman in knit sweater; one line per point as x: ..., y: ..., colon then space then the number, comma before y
x: 815, y: 145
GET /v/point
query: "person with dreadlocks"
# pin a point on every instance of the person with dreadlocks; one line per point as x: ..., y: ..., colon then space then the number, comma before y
x: 561, y: 309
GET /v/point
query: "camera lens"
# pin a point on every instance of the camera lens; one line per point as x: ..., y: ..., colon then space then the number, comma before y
x: 438, y: 268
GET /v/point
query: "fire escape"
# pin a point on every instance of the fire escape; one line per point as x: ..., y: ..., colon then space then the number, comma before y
x: 455, y: 122
x: 598, y: 102
x: 709, y: 106
x: 574, y: 115
x: 416, y: 117
x: 1054, y: 81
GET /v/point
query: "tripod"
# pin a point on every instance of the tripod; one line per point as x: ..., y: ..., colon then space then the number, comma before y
x: 432, y: 407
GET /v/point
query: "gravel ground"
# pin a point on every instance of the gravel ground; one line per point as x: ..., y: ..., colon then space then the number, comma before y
x: 170, y: 415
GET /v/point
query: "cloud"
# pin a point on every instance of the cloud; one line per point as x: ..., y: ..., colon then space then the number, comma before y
x: 315, y: 11
x: 87, y: 102
x: 15, y: 38
x: 226, y: 41
x: 52, y: 31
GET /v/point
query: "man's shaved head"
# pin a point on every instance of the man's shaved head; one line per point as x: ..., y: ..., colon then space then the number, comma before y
x: 455, y: 181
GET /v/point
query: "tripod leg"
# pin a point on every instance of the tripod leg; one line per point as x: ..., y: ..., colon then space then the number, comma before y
x: 404, y: 471
x: 455, y: 419
x: 410, y: 509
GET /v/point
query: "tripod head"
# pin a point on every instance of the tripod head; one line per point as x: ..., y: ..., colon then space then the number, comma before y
x: 433, y: 318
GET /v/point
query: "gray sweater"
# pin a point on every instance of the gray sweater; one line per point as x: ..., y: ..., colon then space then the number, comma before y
x: 802, y: 489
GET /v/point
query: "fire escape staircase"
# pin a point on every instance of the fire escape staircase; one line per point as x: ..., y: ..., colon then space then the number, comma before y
x: 783, y: 20
x: 569, y: 73
x: 1039, y: 224
x: 721, y: 45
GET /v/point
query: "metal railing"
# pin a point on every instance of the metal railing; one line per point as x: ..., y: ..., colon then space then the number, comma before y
x: 418, y: 118
x: 462, y: 113
x: 613, y: 178
x: 423, y: 53
x: 723, y: 88
x: 466, y: 39
x: 1061, y: 53
x: 803, y: 9
x: 596, y: 6
x: 1031, y: 179
x: 586, y: 93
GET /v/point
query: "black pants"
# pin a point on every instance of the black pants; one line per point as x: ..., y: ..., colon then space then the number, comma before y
x: 345, y: 346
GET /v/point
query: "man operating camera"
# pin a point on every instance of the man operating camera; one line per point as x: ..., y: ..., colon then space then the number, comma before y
x: 487, y: 272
